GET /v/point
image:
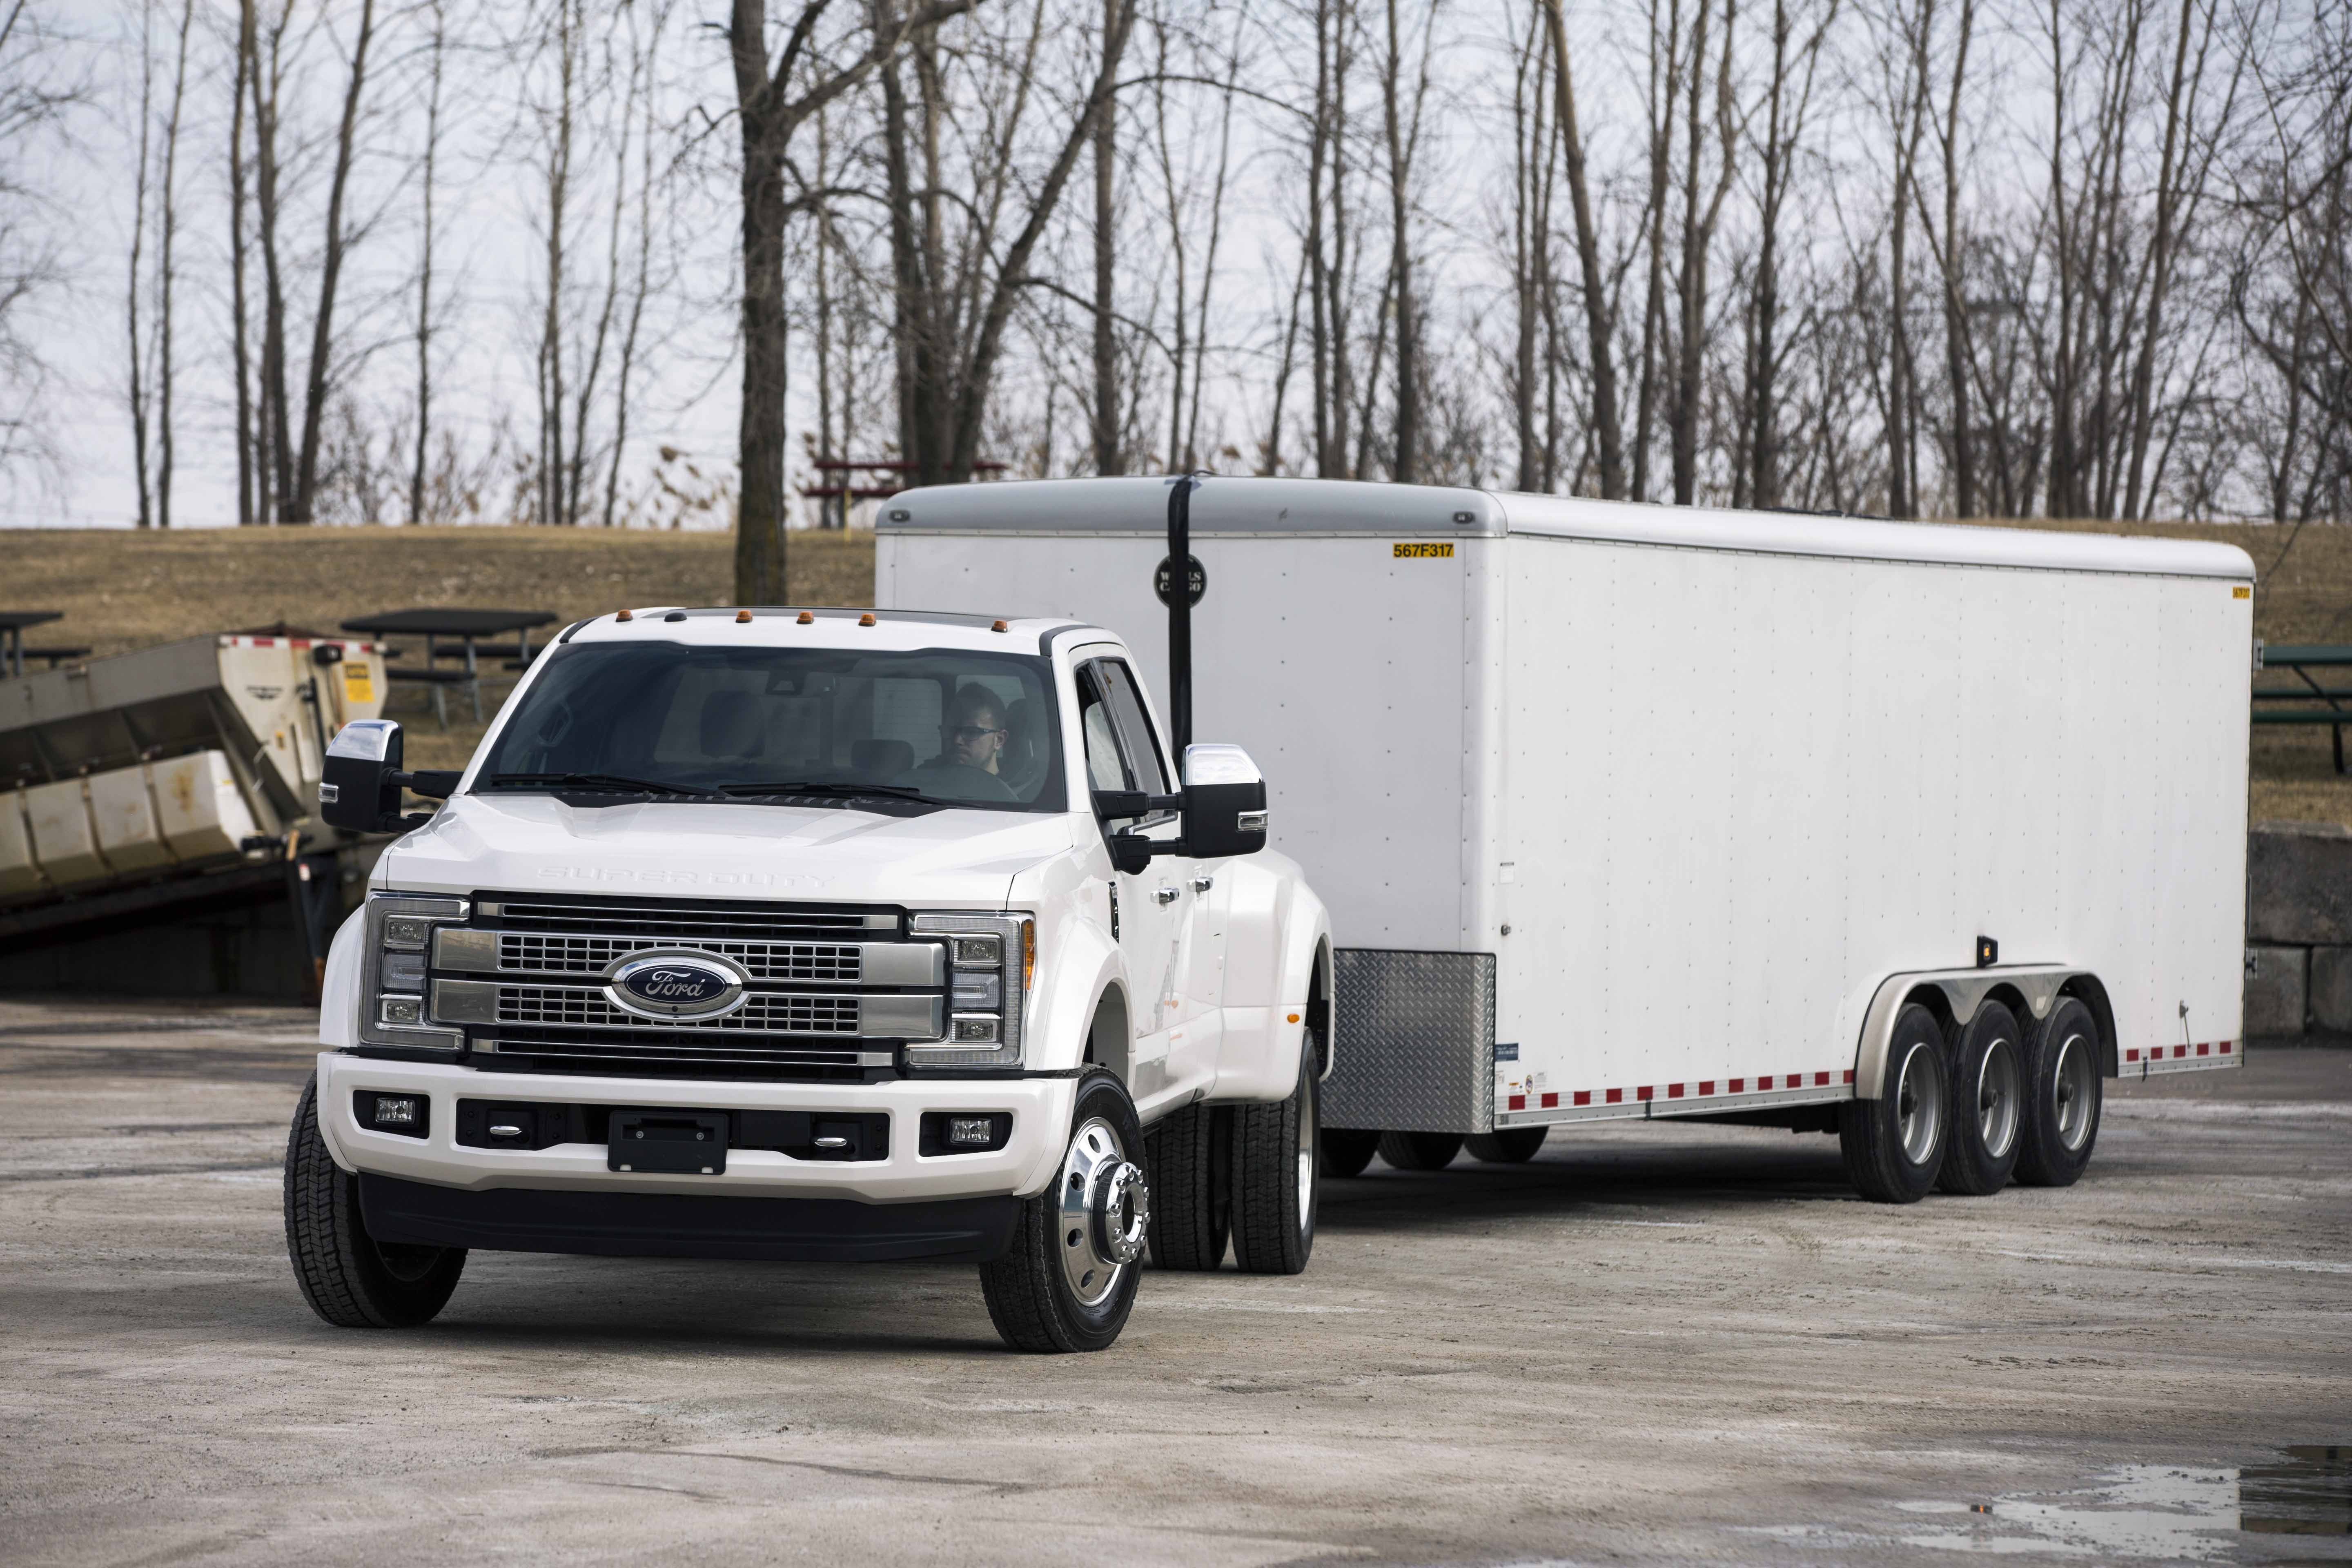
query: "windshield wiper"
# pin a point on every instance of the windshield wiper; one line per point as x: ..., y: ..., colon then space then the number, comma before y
x: 620, y: 781
x: 829, y: 790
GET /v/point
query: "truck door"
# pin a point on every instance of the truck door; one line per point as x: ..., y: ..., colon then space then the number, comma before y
x: 1155, y: 915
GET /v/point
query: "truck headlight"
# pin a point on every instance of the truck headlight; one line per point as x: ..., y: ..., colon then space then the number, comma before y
x: 399, y: 935
x: 991, y: 959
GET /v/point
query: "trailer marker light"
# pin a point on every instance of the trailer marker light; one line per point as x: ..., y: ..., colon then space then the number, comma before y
x: 743, y: 617
x: 1987, y: 953
x: 806, y: 619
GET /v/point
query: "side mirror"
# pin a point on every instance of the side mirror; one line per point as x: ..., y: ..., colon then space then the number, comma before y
x: 1131, y: 852
x: 1224, y: 802
x: 359, y: 781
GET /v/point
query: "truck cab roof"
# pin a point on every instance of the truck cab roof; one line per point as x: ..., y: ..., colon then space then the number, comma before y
x: 782, y: 625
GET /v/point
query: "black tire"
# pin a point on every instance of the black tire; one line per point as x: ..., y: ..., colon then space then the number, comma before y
x: 2063, y: 1097
x: 1506, y: 1145
x: 1987, y: 1103
x: 1420, y: 1150
x: 1278, y: 1169
x: 349, y: 1278
x: 1191, y: 1189
x: 1348, y: 1150
x: 1032, y: 1298
x: 1893, y: 1145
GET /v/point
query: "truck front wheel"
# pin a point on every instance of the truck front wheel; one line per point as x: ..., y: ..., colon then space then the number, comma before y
x: 1068, y: 1282
x: 1275, y: 1167
x: 1893, y: 1145
x: 350, y: 1279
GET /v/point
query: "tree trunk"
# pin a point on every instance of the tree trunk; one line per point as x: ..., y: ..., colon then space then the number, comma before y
x: 1109, y: 458
x: 314, y: 392
x: 1608, y: 431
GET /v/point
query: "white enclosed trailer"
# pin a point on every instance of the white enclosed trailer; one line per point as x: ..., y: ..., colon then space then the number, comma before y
x: 1911, y: 832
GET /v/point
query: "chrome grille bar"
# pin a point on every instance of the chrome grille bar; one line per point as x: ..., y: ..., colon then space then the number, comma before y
x: 762, y: 1013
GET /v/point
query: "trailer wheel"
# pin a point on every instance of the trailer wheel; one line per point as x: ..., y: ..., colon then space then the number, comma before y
x: 350, y: 1279
x: 1068, y: 1282
x: 1191, y: 1189
x: 1988, y: 1102
x: 2062, y: 1095
x: 1275, y: 1168
x: 1893, y: 1145
x: 1506, y: 1145
x: 1420, y: 1150
x: 1348, y: 1150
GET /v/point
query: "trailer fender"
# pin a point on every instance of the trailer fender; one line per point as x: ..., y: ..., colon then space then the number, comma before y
x: 1277, y: 962
x: 1956, y: 994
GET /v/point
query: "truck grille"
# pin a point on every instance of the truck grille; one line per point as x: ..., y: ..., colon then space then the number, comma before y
x: 567, y: 953
x: 814, y: 1011
x: 763, y: 1012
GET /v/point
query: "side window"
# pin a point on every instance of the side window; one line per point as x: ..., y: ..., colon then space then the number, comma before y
x: 1134, y: 729
x: 1104, y: 768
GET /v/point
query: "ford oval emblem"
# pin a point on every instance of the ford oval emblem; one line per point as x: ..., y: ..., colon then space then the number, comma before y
x: 682, y: 984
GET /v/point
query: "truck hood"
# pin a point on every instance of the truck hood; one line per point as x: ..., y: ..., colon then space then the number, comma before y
x: 535, y: 842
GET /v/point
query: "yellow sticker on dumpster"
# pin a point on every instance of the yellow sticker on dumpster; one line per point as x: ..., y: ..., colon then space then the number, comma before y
x: 358, y: 686
x: 1440, y: 552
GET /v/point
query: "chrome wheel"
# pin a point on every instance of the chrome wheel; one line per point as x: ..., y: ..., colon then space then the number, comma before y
x: 1308, y: 1111
x: 1105, y: 1212
x: 1997, y: 1099
x: 2073, y: 1089
x: 1919, y: 1103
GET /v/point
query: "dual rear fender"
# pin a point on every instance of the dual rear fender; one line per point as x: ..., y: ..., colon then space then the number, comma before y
x: 1956, y: 994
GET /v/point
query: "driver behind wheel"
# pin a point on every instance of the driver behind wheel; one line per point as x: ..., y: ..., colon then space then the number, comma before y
x: 972, y: 732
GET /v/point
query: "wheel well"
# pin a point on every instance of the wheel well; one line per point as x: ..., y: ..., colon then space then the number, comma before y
x: 2088, y: 990
x: 1318, y: 1009
x: 1931, y: 996
x: 1110, y: 1043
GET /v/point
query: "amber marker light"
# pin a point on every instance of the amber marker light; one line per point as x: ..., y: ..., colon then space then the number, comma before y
x: 624, y: 615
x: 1000, y: 627
x: 866, y: 619
x: 743, y: 617
x: 1294, y: 1017
x: 1028, y: 954
x: 806, y: 619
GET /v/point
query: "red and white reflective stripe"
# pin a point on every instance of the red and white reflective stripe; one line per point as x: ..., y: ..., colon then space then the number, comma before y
x: 2175, y: 1053
x: 1702, y: 1088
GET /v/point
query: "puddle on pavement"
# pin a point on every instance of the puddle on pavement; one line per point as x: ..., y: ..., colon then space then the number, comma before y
x: 2164, y: 1513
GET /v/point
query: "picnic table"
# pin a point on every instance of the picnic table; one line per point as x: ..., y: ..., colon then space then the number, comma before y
x: 2301, y: 660
x: 11, y: 636
x: 466, y: 630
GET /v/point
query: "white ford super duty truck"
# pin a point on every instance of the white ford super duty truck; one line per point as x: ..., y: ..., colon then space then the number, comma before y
x: 815, y: 934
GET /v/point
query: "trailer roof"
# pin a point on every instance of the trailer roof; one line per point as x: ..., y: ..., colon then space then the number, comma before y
x: 1309, y: 507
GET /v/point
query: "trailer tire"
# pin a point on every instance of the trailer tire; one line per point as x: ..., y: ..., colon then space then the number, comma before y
x: 1276, y: 1175
x: 1506, y: 1145
x: 1987, y: 1103
x: 1191, y: 1189
x: 1348, y: 1150
x: 1045, y: 1295
x: 1420, y: 1150
x: 2062, y: 1098
x: 1893, y: 1145
x: 350, y: 1279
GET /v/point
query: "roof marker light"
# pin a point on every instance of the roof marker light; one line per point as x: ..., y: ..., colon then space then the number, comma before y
x: 624, y: 615
x: 807, y: 619
x: 743, y: 617
x: 1000, y: 627
x: 866, y: 619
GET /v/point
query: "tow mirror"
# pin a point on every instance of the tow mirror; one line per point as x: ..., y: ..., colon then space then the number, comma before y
x: 359, y: 781
x: 1224, y: 802
x: 1131, y: 851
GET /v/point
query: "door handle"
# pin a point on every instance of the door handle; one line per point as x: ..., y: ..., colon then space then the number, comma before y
x: 1202, y: 884
x: 1165, y: 895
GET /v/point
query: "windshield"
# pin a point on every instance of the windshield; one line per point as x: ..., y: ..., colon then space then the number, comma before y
x: 950, y: 728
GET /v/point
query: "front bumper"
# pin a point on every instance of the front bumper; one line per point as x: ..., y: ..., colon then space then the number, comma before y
x: 1040, y: 1109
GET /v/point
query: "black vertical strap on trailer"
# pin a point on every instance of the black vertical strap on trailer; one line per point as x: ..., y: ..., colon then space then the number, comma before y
x: 1180, y: 616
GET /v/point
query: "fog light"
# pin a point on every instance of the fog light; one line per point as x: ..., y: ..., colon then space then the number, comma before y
x: 404, y: 1010
x: 965, y: 1131
x: 970, y: 1132
x: 394, y: 1111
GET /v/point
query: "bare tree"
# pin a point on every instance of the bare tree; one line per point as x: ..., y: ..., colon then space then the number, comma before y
x: 1598, y: 323
x: 428, y: 184
x: 140, y: 388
